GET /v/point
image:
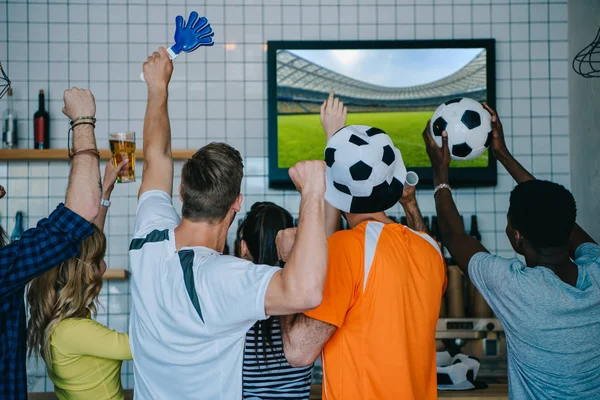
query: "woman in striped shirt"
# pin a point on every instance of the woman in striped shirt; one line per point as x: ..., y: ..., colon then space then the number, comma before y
x: 266, y: 372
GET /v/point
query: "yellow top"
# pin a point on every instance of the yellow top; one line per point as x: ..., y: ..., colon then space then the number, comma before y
x: 86, y: 360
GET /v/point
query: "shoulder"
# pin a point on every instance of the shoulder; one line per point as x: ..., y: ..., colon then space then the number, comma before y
x: 486, y: 268
x: 348, y: 238
x: 225, y: 265
x: 587, y: 253
x: 70, y: 328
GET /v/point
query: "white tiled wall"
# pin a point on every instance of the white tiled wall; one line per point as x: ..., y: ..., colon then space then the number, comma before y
x: 219, y: 93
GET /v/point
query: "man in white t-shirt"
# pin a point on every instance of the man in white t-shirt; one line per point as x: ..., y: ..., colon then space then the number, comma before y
x: 192, y: 306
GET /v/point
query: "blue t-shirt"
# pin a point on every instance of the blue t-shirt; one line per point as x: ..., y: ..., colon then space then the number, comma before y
x: 552, y: 328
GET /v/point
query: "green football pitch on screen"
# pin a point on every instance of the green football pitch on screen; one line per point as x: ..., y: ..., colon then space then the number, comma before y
x: 301, y: 137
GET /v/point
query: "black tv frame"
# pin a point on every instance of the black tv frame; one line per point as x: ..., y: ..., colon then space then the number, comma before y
x: 459, y: 177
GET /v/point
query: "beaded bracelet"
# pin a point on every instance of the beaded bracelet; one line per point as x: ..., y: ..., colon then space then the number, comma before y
x: 85, y: 117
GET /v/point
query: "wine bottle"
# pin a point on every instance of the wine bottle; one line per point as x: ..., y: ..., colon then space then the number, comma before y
x: 403, y: 220
x: 426, y: 222
x: 18, y: 231
x: 9, y: 133
x: 474, y: 228
x: 41, y: 125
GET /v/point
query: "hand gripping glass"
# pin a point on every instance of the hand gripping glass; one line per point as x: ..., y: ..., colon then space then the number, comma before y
x: 188, y: 37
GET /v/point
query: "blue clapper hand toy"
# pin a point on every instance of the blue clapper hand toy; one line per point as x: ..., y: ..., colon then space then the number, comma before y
x: 189, y: 37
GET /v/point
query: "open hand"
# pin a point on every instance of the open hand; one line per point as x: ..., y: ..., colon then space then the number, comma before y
x: 111, y: 173
x: 308, y: 176
x: 439, y: 156
x: 333, y: 115
x: 158, y: 69
x: 2, y: 191
x: 197, y: 32
x: 498, y: 144
x: 285, y: 243
x: 79, y: 103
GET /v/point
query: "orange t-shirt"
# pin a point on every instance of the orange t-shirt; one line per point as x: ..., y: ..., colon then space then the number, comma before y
x: 383, y: 292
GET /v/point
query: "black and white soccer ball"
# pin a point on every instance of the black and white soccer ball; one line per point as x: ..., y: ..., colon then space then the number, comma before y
x: 365, y: 171
x: 469, y: 127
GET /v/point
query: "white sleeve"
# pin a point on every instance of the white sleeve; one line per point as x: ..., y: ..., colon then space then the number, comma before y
x: 232, y: 293
x: 154, y: 211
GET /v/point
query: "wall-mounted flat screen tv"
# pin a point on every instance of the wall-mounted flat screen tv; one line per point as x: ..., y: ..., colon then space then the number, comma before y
x: 392, y: 85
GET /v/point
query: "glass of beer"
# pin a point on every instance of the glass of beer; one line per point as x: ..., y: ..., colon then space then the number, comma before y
x: 122, y: 145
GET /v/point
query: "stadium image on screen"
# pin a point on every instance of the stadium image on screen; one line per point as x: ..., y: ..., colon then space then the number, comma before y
x: 396, y: 90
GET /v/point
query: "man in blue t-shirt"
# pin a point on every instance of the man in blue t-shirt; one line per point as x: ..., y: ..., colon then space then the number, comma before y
x: 549, y: 306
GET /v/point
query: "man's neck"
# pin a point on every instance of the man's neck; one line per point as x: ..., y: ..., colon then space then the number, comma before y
x: 202, y: 234
x: 556, y: 259
x: 357, y: 219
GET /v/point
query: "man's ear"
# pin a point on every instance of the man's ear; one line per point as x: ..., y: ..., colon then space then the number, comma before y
x: 518, y: 238
x: 237, y: 204
x: 179, y: 193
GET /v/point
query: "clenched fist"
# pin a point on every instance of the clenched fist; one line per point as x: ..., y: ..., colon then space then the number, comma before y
x: 309, y: 176
x: 158, y: 69
x: 79, y: 103
x: 285, y: 243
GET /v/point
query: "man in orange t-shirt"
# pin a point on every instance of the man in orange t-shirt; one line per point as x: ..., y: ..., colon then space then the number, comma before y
x: 376, y: 324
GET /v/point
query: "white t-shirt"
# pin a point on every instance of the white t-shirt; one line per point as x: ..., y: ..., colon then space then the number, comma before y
x: 191, y: 310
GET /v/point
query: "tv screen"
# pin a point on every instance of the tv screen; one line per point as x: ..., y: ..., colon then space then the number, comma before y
x: 395, y: 86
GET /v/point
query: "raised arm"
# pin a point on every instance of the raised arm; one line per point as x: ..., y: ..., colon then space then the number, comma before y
x: 83, y: 192
x: 158, y: 161
x: 299, y: 286
x: 414, y: 218
x: 333, y: 118
x: 520, y: 174
x: 460, y: 245
x: 108, y: 184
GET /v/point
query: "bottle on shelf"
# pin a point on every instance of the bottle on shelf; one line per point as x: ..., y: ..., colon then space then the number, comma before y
x: 426, y: 222
x: 41, y: 125
x: 403, y: 220
x: 9, y: 131
x: 18, y: 231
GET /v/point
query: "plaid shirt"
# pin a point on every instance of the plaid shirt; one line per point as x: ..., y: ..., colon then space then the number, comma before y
x: 54, y: 240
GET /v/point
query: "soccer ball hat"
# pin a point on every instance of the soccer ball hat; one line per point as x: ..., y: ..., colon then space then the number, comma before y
x: 365, y: 171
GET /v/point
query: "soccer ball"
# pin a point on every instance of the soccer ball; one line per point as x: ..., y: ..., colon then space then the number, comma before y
x: 469, y: 127
x: 365, y: 172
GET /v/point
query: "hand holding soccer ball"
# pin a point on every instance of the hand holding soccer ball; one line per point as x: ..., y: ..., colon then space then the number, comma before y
x: 468, y: 125
x: 438, y: 155
x: 498, y: 144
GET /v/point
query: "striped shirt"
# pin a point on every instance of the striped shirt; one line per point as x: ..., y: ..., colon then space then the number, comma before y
x: 272, y: 378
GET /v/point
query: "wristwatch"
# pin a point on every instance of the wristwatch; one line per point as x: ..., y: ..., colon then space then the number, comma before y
x: 105, y: 203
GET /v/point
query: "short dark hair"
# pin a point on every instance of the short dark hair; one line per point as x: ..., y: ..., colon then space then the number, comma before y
x: 544, y: 212
x: 210, y: 182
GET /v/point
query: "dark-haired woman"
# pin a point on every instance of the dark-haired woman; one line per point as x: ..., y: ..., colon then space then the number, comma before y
x: 266, y: 372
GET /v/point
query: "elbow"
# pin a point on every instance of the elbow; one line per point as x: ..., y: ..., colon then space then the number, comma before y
x: 310, y: 300
x: 314, y: 300
x: 93, y: 211
x: 297, y: 358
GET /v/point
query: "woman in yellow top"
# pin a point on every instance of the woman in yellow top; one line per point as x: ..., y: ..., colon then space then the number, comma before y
x: 83, y: 357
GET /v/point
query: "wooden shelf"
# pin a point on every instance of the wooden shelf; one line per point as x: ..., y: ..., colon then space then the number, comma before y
x: 62, y: 155
x: 116, y: 274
